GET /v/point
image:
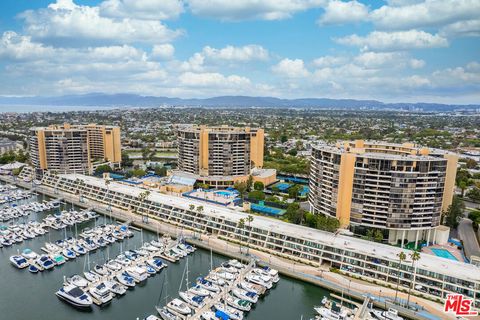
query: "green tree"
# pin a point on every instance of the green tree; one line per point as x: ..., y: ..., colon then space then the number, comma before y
x: 258, y: 185
x: 415, y: 256
x: 293, y: 191
x: 160, y: 171
x: 257, y: 195
x: 462, y: 185
x: 474, y: 194
x: 454, y: 212
x: 378, y: 236
x: 295, y: 214
x: 401, y: 257
x: 249, y: 183
x: 249, y: 220
x: 103, y: 168
x: 471, y: 164
x: 241, y: 187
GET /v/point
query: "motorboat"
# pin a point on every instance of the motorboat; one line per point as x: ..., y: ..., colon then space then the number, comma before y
x: 199, y: 291
x: 78, y: 281
x: 113, y: 265
x: 247, y: 286
x: 208, y: 285
x: 150, y: 270
x: 115, y: 287
x: 139, y: 274
x: 177, y: 305
x: 69, y: 254
x: 166, y: 314
x: 101, y: 270
x: 101, y: 293
x: 250, y: 296
x: 390, y: 314
x: 126, y: 280
x: 91, y: 276
x: 219, y: 272
x: 75, y: 296
x: 268, y: 273
x: 192, y: 299
x: 58, y: 259
x: 29, y: 254
x: 232, y: 313
x: 45, y: 262
x: 19, y: 261
x: 156, y: 263
x: 239, y: 304
x: 254, y: 278
x: 235, y: 263
x: 79, y: 249
x: 33, y: 269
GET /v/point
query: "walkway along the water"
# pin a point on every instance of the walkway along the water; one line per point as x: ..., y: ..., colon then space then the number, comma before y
x: 382, y: 297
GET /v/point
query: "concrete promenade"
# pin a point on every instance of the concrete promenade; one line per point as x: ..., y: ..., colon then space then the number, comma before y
x: 357, y: 289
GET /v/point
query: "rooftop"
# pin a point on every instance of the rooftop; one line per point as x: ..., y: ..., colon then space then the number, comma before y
x: 452, y: 268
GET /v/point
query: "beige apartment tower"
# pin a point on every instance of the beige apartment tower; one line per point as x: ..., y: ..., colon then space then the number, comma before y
x: 74, y: 148
x: 221, y: 155
x: 399, y: 188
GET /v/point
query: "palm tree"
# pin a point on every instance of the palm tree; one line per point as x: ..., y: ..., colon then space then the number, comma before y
x: 415, y: 256
x: 199, y: 210
x: 401, y: 257
x: 191, y: 207
x: 107, y: 183
x: 241, y: 225
x: 142, y: 197
x: 249, y: 220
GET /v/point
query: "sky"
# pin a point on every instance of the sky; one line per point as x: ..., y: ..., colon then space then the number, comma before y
x: 393, y: 51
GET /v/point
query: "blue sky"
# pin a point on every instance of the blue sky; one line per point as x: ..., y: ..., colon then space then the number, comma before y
x: 395, y: 50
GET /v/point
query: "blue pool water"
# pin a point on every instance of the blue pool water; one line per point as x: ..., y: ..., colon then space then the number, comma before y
x: 444, y: 254
x: 225, y: 193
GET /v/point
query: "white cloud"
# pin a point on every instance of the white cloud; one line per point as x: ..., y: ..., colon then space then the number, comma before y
x: 142, y: 9
x: 211, y: 79
x: 67, y: 22
x: 241, y: 54
x: 467, y: 28
x: 399, y: 40
x: 340, y: 12
x: 17, y: 47
x: 327, y: 61
x: 236, y: 10
x: 378, y: 59
x: 416, y: 63
x: 429, y: 13
x: 163, y: 51
x: 291, y: 68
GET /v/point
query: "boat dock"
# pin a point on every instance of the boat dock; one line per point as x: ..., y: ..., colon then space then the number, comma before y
x: 223, y: 292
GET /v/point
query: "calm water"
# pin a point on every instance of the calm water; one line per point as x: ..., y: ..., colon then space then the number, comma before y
x: 24, y: 295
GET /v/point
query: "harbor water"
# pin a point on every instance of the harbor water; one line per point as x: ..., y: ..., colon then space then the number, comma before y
x: 24, y: 295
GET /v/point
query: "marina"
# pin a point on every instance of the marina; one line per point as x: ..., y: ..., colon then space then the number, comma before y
x: 33, y: 294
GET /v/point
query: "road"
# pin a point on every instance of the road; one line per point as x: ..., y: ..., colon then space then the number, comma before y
x: 467, y: 235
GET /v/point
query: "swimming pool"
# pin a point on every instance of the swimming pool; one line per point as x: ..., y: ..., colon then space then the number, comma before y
x: 443, y: 253
x: 225, y: 193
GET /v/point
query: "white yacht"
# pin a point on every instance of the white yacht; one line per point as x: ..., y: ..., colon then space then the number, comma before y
x: 391, y: 314
x: 75, y: 296
x: 192, y: 299
x: 115, y: 287
x: 137, y: 273
x: 19, y: 261
x: 177, y: 305
x: 29, y: 254
x: 78, y: 281
x: 101, y: 293
x: 249, y: 296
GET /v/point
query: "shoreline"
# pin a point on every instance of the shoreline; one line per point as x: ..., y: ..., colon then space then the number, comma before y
x: 323, y: 277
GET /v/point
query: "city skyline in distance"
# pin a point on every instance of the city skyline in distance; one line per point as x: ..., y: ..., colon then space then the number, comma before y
x: 393, y: 51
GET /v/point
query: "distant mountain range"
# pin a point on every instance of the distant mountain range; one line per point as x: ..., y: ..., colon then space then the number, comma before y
x: 133, y: 100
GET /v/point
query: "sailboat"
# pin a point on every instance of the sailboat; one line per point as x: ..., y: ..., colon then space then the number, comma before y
x: 189, y: 297
x: 164, y: 312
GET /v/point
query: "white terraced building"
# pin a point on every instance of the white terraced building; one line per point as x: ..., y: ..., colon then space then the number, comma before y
x: 435, y: 277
